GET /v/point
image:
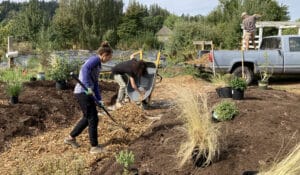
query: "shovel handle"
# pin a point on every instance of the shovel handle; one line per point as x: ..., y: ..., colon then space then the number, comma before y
x: 96, y: 101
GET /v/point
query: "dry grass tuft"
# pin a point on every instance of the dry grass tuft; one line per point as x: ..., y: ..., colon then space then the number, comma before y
x: 288, y: 166
x: 201, y: 132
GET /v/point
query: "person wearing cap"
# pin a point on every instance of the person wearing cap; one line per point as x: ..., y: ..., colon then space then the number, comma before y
x: 249, y: 26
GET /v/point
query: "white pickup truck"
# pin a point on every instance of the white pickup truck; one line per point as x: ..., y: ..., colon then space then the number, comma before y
x: 283, y: 54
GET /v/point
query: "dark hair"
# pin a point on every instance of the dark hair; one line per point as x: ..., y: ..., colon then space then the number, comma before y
x: 104, y: 48
x: 140, y: 68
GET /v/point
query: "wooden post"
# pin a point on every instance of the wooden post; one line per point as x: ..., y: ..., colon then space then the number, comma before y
x: 10, y: 49
x: 243, y: 59
x: 261, y: 30
x: 214, y: 69
x: 280, y: 31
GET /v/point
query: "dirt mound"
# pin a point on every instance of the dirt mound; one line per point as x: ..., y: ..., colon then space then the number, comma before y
x: 43, y: 108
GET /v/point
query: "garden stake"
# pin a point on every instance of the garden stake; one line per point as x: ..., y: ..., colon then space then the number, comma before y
x: 126, y: 129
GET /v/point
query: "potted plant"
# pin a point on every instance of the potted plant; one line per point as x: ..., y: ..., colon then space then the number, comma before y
x: 222, y: 82
x: 59, y: 71
x: 224, y: 110
x: 13, y: 79
x: 14, y: 90
x: 238, y: 86
x: 265, y: 71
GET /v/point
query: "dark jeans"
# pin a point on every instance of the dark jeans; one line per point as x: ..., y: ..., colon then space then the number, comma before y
x: 90, y: 118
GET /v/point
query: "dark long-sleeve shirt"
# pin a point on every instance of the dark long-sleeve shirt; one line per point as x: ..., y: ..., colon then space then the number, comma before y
x: 89, y: 75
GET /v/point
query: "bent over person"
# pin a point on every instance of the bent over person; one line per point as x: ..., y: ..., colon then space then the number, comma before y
x: 134, y: 70
x: 89, y: 75
x: 249, y: 25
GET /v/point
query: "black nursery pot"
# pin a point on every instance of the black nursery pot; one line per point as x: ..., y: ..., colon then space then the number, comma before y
x: 237, y: 94
x: 33, y: 79
x: 224, y: 92
x: 199, y: 160
x: 61, y: 85
x: 14, y: 100
x: 250, y: 172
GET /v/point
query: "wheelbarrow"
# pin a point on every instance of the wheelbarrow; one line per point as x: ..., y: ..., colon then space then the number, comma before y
x: 147, y: 83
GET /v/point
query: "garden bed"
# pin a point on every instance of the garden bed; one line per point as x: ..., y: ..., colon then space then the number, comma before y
x: 35, y: 128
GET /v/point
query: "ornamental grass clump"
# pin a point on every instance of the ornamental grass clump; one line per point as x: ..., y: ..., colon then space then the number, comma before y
x: 202, y: 134
x: 288, y: 166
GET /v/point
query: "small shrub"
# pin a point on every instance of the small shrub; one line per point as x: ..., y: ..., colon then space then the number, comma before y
x: 125, y: 158
x: 265, y: 69
x: 238, y: 83
x: 59, y: 68
x: 225, y: 110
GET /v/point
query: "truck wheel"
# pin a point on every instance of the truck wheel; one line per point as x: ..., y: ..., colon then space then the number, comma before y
x: 248, y: 73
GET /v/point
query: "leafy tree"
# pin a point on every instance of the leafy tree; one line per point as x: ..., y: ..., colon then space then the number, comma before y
x: 64, y: 27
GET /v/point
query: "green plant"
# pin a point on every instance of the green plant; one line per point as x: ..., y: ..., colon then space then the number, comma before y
x: 238, y: 83
x: 125, y: 158
x: 221, y: 80
x: 225, y: 110
x: 14, y: 89
x: 13, y: 79
x: 265, y: 69
x: 59, y: 68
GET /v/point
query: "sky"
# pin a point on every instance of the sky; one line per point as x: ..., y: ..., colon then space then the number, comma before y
x: 203, y: 7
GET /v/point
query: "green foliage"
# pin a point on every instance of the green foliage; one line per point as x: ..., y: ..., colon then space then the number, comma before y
x: 111, y: 36
x: 14, y: 89
x: 225, y: 110
x: 221, y: 80
x: 59, y: 68
x: 238, y: 83
x: 125, y: 158
x: 63, y: 28
x: 265, y: 69
x: 13, y: 79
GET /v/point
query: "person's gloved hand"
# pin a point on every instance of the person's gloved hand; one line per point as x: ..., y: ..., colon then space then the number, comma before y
x: 100, y: 103
x: 89, y: 91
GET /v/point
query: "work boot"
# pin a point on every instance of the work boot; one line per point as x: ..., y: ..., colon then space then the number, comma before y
x: 97, y: 150
x: 72, y: 142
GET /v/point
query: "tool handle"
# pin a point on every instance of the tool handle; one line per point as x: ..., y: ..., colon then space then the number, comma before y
x: 85, y: 88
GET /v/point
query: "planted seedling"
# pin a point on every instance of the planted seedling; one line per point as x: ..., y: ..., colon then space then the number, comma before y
x: 225, y: 110
x: 125, y: 158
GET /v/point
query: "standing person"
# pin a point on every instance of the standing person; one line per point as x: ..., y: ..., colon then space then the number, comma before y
x: 133, y: 69
x: 89, y: 75
x: 249, y: 24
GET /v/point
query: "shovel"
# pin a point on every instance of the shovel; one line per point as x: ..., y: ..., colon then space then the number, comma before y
x: 126, y: 129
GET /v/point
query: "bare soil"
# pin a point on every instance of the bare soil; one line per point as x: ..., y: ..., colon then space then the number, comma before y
x: 264, y: 131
